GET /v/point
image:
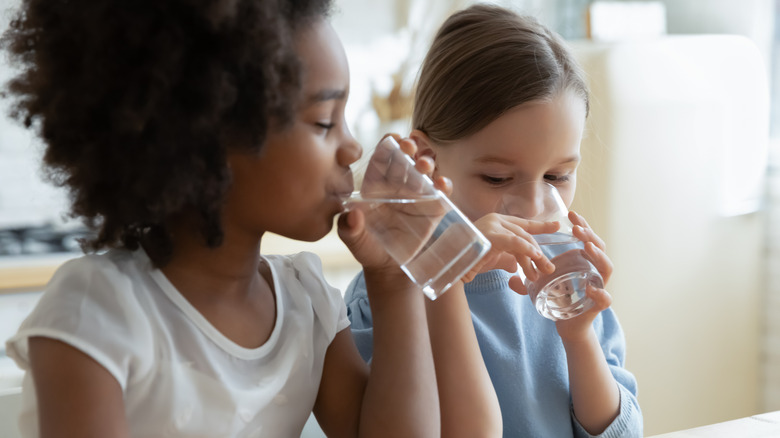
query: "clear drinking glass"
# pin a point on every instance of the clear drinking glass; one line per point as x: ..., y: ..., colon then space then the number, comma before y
x: 419, y: 227
x: 561, y: 294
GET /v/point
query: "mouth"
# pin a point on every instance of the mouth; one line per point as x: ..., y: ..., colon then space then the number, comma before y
x: 343, y: 187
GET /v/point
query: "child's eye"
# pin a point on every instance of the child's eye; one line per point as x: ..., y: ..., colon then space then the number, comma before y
x: 325, y: 126
x: 495, y: 180
x: 556, y: 178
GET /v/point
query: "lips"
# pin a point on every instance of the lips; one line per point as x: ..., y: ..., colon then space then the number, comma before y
x: 344, y: 186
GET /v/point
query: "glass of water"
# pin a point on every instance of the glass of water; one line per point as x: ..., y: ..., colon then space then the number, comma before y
x: 419, y: 227
x: 561, y: 294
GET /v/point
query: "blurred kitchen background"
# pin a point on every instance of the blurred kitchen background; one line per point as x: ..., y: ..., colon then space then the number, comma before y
x: 679, y: 176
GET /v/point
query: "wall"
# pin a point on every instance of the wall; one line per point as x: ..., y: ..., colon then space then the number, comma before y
x: 755, y: 19
x: 667, y: 117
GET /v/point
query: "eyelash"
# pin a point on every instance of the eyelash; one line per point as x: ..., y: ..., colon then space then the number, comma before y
x: 326, y: 126
x: 498, y: 181
x: 494, y: 181
x: 557, y: 178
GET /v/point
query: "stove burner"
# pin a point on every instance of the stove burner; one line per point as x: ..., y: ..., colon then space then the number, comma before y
x: 41, y: 240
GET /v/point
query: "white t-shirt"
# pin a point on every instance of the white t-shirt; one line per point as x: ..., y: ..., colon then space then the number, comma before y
x: 180, y: 376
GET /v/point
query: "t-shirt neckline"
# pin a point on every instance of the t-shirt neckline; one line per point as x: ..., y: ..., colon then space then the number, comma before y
x: 203, y: 324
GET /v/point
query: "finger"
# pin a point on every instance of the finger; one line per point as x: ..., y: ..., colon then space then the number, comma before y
x: 505, y: 261
x: 468, y: 276
x: 517, y: 285
x: 578, y: 219
x: 399, y: 169
x: 526, y: 252
x: 600, y: 297
x: 543, y: 264
x: 350, y: 226
x: 528, y: 268
x: 424, y: 165
x: 444, y: 184
x: 487, y: 263
x: 377, y: 168
x: 516, y: 230
x: 407, y: 145
x: 588, y: 235
x: 532, y: 227
x: 600, y: 260
x: 519, y: 247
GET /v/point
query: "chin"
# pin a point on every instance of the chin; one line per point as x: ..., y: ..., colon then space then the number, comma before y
x: 314, y: 226
x: 316, y: 232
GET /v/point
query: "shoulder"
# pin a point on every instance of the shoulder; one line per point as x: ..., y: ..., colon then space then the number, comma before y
x: 303, y: 267
x: 106, y: 265
x: 95, y: 304
x: 106, y: 280
x: 300, y: 278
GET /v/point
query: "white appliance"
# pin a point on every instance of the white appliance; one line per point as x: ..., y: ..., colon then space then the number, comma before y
x: 672, y: 179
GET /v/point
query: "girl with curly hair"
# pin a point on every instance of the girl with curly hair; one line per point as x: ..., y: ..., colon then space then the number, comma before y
x: 185, y: 130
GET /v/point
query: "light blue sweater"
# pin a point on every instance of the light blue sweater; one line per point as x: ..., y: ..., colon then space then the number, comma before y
x: 525, y: 359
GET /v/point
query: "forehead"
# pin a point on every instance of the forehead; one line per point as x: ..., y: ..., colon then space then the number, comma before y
x: 535, y: 131
x: 322, y: 58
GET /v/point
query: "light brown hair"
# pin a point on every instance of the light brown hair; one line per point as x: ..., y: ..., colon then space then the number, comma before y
x: 484, y: 61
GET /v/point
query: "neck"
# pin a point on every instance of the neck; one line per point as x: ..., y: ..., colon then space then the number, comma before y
x: 229, y: 268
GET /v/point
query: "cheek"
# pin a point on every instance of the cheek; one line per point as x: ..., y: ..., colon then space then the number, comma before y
x: 474, y: 205
x: 467, y: 193
x: 568, y: 195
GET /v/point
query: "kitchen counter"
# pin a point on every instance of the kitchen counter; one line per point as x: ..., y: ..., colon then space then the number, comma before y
x: 19, y: 273
x: 32, y: 272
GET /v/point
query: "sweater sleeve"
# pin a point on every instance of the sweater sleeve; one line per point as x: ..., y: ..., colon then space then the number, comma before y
x: 629, y: 422
x: 359, y: 313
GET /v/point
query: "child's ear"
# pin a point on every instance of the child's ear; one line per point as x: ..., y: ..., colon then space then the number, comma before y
x: 424, y: 145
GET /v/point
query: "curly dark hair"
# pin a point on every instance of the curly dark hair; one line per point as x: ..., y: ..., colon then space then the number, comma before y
x: 138, y: 102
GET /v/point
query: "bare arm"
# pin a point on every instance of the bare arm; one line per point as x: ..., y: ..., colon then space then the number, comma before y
x: 398, y: 395
x: 76, y: 396
x: 469, y: 406
x: 340, y: 396
x: 594, y: 391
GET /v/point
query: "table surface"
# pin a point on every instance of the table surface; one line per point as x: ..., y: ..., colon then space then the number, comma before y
x: 758, y: 426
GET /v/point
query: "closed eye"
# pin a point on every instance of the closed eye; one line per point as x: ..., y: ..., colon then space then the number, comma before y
x: 495, y: 180
x: 556, y: 178
x: 325, y: 126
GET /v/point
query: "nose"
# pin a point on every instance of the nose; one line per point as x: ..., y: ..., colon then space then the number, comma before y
x: 527, y: 200
x: 349, y: 150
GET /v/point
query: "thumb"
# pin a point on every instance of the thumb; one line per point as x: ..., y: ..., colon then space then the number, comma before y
x: 351, y: 228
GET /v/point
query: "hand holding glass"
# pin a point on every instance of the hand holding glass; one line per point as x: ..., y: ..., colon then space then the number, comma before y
x: 561, y: 294
x: 418, y: 226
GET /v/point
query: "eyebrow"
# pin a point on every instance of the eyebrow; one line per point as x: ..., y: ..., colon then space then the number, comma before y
x: 325, y: 95
x: 487, y: 159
